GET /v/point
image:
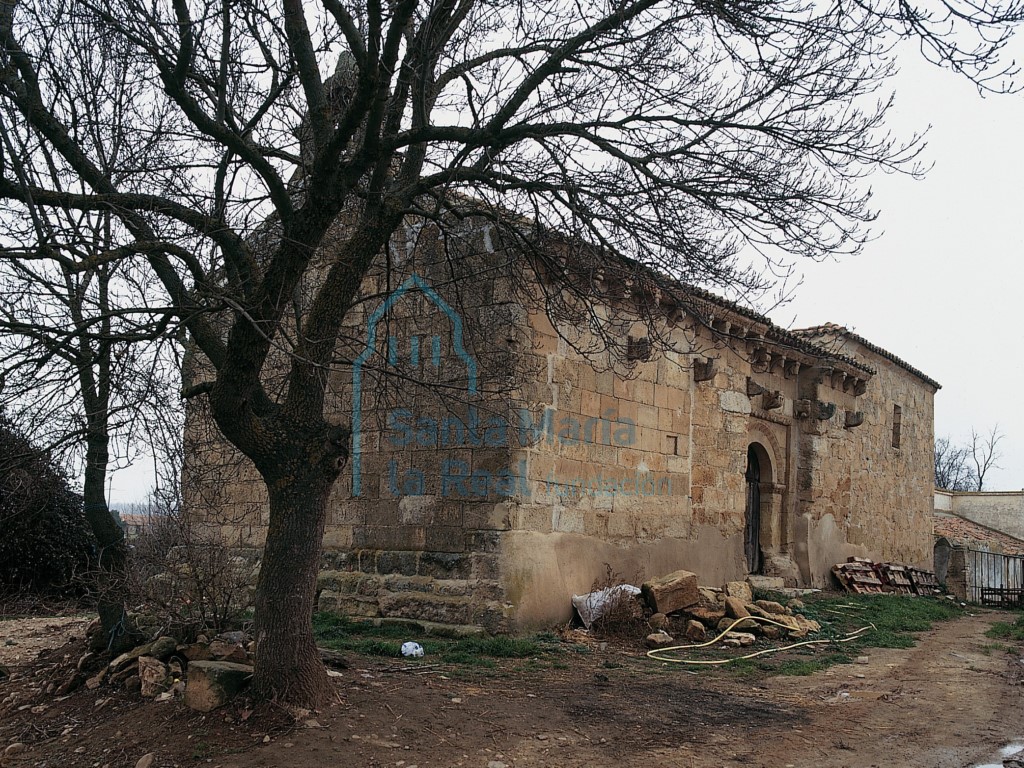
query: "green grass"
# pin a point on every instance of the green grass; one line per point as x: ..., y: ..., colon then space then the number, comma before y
x: 340, y: 633
x: 1004, y: 630
x: 895, y: 618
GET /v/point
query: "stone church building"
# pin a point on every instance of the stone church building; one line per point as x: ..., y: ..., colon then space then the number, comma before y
x: 502, y: 461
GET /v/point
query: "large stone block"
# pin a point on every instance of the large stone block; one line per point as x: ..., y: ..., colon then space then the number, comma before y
x: 212, y: 684
x: 671, y: 593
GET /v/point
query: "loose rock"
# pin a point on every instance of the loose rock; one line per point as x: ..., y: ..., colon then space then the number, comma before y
x: 695, y: 631
x: 152, y: 676
x: 146, y: 761
x: 745, y: 638
x: 212, y: 684
x: 14, y: 749
x: 658, y: 621
x: 738, y: 589
x: 671, y: 593
x: 659, y: 640
x: 735, y: 608
x: 162, y: 648
x: 770, y: 606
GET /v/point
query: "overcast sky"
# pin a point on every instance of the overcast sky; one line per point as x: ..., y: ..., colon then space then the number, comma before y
x: 942, y: 286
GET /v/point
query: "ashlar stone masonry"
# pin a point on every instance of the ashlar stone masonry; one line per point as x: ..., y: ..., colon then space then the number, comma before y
x: 502, y: 463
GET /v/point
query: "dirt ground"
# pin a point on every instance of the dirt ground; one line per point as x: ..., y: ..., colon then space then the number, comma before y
x: 950, y: 702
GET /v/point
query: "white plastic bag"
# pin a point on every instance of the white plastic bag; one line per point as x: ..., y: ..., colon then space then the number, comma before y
x: 412, y: 649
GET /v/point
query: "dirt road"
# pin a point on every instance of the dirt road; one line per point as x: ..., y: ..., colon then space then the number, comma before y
x: 945, y: 703
x: 950, y: 702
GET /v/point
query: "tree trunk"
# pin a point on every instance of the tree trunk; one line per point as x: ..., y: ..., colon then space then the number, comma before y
x: 118, y: 635
x: 288, y: 665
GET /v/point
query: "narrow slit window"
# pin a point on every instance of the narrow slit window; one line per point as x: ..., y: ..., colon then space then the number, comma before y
x: 673, y: 445
x: 897, y: 424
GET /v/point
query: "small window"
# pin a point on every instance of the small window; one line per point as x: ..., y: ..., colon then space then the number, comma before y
x: 673, y: 445
x: 897, y: 421
x: 638, y: 349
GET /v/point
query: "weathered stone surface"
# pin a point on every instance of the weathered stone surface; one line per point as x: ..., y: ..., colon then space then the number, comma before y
x: 767, y: 583
x: 708, y: 595
x: 707, y: 616
x: 747, y: 624
x: 224, y: 651
x: 129, y: 656
x: 771, y: 606
x: 796, y: 604
x: 659, y: 640
x: 658, y: 621
x: 14, y: 749
x: 734, y: 608
x: 695, y: 631
x: 162, y: 648
x: 212, y: 684
x: 671, y: 593
x: 96, y: 680
x: 146, y: 761
x: 197, y: 652
x: 738, y: 589
x: 745, y: 638
x: 153, y: 676
x: 771, y: 632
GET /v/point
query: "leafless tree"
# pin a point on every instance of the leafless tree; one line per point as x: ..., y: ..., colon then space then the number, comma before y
x: 657, y: 137
x: 953, y: 471
x: 984, y: 452
x: 87, y: 360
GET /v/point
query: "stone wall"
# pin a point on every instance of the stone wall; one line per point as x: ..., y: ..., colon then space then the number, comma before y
x: 501, y: 464
x: 1002, y: 510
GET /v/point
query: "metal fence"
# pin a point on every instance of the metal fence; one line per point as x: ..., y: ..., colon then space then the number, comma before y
x: 995, y: 579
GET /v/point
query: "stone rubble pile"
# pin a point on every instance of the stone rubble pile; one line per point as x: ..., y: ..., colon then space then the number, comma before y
x: 207, y: 673
x: 679, y: 605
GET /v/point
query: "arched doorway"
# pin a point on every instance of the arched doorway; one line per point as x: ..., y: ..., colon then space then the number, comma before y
x: 758, y: 470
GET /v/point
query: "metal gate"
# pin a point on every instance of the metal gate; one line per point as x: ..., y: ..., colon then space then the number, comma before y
x: 995, y: 579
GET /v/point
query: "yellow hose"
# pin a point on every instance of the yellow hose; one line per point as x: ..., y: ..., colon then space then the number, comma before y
x: 655, y: 653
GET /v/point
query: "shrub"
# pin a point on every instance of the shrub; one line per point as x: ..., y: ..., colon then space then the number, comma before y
x: 45, y: 541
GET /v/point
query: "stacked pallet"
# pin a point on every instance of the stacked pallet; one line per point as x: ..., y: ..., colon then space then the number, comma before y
x: 864, y: 577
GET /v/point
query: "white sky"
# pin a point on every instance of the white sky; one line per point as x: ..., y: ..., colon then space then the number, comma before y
x: 941, y: 286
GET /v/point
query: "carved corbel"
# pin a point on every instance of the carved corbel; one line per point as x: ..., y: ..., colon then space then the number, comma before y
x: 837, y: 379
x: 772, y: 400
x: 860, y: 387
x: 759, y: 361
x: 802, y: 408
x: 754, y: 389
x: 825, y: 411
x: 704, y: 370
x: 791, y: 369
x: 854, y: 419
x: 778, y: 364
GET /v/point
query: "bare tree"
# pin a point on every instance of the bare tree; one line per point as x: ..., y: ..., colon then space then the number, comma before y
x: 83, y: 349
x: 984, y: 452
x: 953, y: 471
x: 657, y: 137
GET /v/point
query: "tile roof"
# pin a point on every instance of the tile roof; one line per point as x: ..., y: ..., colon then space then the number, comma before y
x: 960, y: 530
x: 832, y: 329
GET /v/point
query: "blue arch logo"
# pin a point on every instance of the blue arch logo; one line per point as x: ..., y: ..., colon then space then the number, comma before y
x: 416, y: 352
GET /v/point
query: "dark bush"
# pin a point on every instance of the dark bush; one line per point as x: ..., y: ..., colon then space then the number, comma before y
x: 44, y: 539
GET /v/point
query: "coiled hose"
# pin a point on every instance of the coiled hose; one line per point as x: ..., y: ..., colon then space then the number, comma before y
x: 656, y: 653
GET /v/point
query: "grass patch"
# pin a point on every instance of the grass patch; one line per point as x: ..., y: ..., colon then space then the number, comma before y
x: 341, y: 633
x: 1004, y: 630
x: 896, y: 620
